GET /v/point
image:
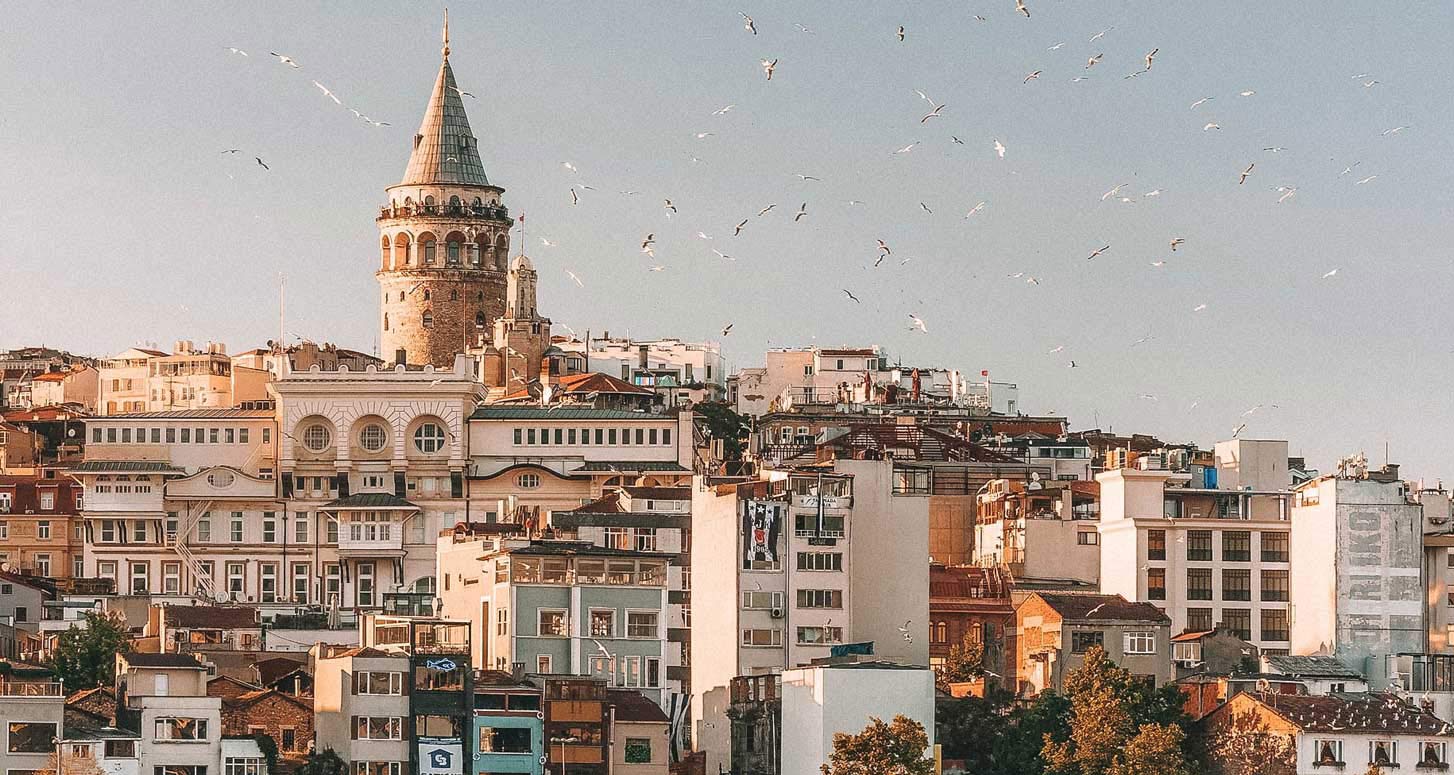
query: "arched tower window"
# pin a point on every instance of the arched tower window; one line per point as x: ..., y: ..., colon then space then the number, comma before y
x: 479, y: 320
x: 454, y: 246
x: 479, y: 296
x: 401, y: 251
x: 426, y: 294
x: 386, y: 321
x: 428, y: 319
x: 502, y: 252
x: 453, y: 294
x: 384, y: 254
x: 401, y: 295
x: 426, y: 241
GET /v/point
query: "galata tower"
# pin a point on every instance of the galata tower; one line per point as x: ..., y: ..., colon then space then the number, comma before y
x: 444, y: 240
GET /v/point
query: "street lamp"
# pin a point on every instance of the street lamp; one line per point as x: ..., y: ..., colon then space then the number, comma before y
x: 563, y: 741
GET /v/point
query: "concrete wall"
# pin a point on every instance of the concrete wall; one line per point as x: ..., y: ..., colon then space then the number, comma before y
x: 716, y: 599
x: 888, y: 550
x: 652, y: 731
x: 1255, y: 464
x: 819, y: 702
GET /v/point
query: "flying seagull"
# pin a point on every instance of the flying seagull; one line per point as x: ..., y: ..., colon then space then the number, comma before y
x: 932, y: 114
x: 1020, y: 6
x: 285, y: 59
x: 1176, y: 241
x: 747, y: 23
x: 851, y: 296
x: 739, y: 228
x: 261, y: 163
x: 330, y: 95
x: 573, y: 277
x: 901, y: 33
x: 1243, y: 177
x: 918, y: 323
x: 237, y: 51
x: 802, y: 211
x: 727, y: 329
x: 768, y: 65
x: 764, y: 210
x: 1000, y: 149
x: 1097, y: 252
x: 1032, y: 76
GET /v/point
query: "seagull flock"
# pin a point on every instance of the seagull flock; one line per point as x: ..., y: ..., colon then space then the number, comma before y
x: 1260, y: 176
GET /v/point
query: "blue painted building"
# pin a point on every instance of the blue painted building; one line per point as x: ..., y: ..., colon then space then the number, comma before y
x: 509, y: 726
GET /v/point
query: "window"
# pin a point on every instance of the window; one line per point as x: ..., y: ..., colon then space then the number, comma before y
x: 237, y: 765
x: 378, y: 728
x: 1082, y: 641
x: 204, y: 530
x: 641, y: 624
x: 1431, y: 754
x: 317, y: 437
x: 140, y: 578
x: 1198, y: 619
x: 518, y: 434
x: 638, y: 750
x: 543, y: 664
x: 1199, y: 584
x: 505, y: 740
x: 181, y: 729
x: 120, y: 749
x: 603, y: 623
x: 235, y: 528
x: 47, y: 503
x: 502, y: 621
x: 373, y: 437
x: 235, y: 577
x: 1274, y: 585
x: 428, y: 318
x: 1155, y: 544
x: 1274, y: 547
x: 171, y: 578
x: 138, y: 532
x: 1199, y: 545
x: 1156, y: 583
x: 827, y: 561
x: 762, y: 637
x: 30, y: 737
x: 300, y: 529
x: 754, y: 599
x: 270, y: 528
x: 1236, y: 546
x: 1140, y: 642
x: 429, y: 438
x: 1087, y: 538
x: 378, y: 682
x: 817, y: 636
x: 300, y: 582
x: 106, y: 569
x: 1236, y: 584
x: 645, y: 539
x: 1238, y: 621
x: 1382, y: 752
x: 1330, y: 752
x: 268, y: 587
x: 364, y: 585
x: 820, y: 598
x: 377, y: 768
x: 1274, y: 624
x: 528, y: 482
x: 552, y: 623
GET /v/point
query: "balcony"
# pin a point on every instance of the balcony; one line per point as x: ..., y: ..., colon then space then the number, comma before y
x: 30, y: 689
x: 488, y: 212
x: 371, y: 539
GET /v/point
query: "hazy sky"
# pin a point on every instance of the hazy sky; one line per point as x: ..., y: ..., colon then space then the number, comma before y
x: 122, y: 222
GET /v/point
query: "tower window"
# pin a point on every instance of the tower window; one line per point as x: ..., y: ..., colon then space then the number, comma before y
x: 479, y: 320
x: 452, y: 254
x: 426, y: 294
x: 428, y: 319
x: 429, y: 253
x: 480, y: 296
x: 401, y: 295
x: 386, y: 321
x: 453, y: 294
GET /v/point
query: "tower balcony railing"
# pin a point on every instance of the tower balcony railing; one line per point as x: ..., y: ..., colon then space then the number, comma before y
x: 492, y: 212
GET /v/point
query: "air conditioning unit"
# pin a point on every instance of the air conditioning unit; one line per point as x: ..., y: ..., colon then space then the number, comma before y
x: 776, y: 613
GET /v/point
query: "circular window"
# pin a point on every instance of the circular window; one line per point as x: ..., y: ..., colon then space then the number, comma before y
x: 527, y: 481
x: 429, y: 438
x: 373, y: 437
x: 316, y: 438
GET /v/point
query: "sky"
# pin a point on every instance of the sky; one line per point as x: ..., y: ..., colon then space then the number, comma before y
x: 123, y: 223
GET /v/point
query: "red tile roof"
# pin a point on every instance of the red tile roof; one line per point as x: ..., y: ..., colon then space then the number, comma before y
x: 208, y: 617
x: 1086, y: 607
x: 1370, y: 713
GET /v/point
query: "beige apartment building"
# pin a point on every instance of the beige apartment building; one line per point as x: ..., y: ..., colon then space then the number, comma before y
x: 1210, y: 553
x: 146, y: 380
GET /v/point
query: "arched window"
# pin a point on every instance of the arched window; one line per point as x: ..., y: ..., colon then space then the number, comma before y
x: 454, y: 201
x: 451, y: 257
x: 401, y: 251
x: 373, y: 437
x: 384, y: 254
x: 429, y: 201
x: 386, y: 321
x: 317, y: 437
x: 429, y: 438
x: 453, y: 294
x: 527, y: 481
x: 477, y: 203
x: 428, y: 319
x: 428, y: 242
x: 426, y: 294
x: 479, y: 320
x: 502, y: 252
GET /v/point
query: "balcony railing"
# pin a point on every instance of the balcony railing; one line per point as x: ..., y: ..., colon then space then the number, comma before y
x: 30, y: 689
x: 494, y: 212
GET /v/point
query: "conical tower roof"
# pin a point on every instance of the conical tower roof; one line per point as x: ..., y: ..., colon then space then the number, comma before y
x: 445, y: 151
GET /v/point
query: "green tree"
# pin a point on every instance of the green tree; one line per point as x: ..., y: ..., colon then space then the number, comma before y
x: 723, y: 423
x: 965, y: 662
x: 269, y: 747
x: 965, y: 725
x: 1109, y: 710
x: 324, y: 762
x: 1019, y: 748
x: 896, y: 748
x: 85, y: 657
x: 1245, y: 746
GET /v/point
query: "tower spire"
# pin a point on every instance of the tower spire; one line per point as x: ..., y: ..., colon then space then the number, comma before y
x: 446, y: 33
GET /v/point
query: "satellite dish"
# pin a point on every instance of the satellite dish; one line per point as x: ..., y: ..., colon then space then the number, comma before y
x: 220, y: 597
x: 5, y: 566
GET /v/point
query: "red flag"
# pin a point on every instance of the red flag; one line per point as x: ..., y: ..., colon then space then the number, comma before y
x: 984, y: 372
x: 522, y: 217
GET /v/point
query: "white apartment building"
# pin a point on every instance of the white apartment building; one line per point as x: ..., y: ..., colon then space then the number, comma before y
x: 361, y: 706
x: 183, y: 504
x: 374, y: 463
x: 681, y: 372
x: 824, y: 700
x: 1358, y: 557
x: 1209, y: 557
x: 145, y: 380
x: 775, y: 574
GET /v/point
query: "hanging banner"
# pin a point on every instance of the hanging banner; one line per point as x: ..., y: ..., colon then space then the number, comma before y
x: 761, y: 524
